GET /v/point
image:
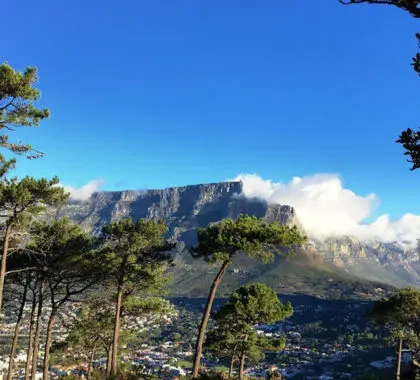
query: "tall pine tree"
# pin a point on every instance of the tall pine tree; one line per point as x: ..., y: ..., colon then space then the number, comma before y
x: 135, y: 255
x: 219, y: 243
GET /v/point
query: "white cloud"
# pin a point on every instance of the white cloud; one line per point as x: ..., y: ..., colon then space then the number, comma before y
x: 83, y: 193
x: 326, y: 208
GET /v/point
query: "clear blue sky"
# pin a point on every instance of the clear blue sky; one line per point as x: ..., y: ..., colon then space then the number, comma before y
x: 148, y: 94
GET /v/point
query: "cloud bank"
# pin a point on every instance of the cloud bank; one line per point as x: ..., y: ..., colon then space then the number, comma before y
x: 83, y: 193
x: 325, y: 208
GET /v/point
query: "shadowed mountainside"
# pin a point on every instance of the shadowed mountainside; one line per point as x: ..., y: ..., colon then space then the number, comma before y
x: 186, y: 208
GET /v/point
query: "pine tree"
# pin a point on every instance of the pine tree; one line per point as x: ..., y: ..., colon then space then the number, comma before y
x: 66, y: 263
x: 409, y: 138
x: 400, y: 313
x: 219, y: 243
x: 20, y: 201
x: 135, y: 256
x: 17, y: 109
x: 248, y: 306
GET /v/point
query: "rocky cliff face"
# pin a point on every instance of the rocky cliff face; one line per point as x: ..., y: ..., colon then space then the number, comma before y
x: 186, y: 208
x: 387, y: 262
x: 182, y: 208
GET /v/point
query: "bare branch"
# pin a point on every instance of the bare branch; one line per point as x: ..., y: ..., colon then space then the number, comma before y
x: 20, y: 270
x: 411, y: 6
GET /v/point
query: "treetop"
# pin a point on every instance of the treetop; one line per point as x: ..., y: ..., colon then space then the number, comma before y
x: 17, y: 109
x: 248, y: 234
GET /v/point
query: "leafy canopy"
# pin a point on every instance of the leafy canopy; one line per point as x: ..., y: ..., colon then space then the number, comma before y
x: 63, y: 254
x: 135, y: 254
x: 231, y: 341
x: 29, y: 195
x: 409, y: 139
x: 234, y: 335
x: 248, y: 234
x: 400, y: 313
x: 255, y: 304
x: 17, y: 109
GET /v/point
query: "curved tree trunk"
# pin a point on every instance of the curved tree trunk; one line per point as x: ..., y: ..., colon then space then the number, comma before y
x: 117, y: 322
x: 232, y: 362
x: 16, y: 333
x: 241, y: 366
x: 31, y: 337
x: 205, y: 319
x: 3, y: 261
x: 92, y: 358
x: 399, y: 351
x: 48, y: 342
x: 37, y: 331
x: 108, y: 360
x: 242, y: 358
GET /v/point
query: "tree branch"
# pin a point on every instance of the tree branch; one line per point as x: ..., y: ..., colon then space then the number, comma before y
x: 411, y: 6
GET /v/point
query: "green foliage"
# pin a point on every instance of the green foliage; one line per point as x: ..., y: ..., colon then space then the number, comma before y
x: 17, y: 98
x: 212, y: 375
x: 234, y: 335
x: 248, y: 234
x: 6, y: 165
x: 409, y: 139
x: 93, y: 330
x: 401, y: 310
x: 416, y: 59
x: 62, y: 254
x: 275, y: 376
x: 29, y: 196
x: 401, y: 314
x: 20, y: 201
x: 135, y: 255
x: 153, y: 306
x: 255, y: 304
x: 134, y: 261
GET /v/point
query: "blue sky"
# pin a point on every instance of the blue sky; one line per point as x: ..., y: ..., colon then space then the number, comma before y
x: 150, y: 94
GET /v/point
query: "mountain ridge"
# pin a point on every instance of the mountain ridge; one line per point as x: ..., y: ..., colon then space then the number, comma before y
x: 186, y: 208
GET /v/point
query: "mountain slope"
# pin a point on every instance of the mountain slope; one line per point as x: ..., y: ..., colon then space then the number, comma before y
x: 186, y: 208
x: 182, y: 208
x: 291, y: 275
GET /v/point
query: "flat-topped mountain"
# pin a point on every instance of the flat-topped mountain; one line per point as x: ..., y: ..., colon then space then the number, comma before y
x: 182, y: 208
x: 188, y: 207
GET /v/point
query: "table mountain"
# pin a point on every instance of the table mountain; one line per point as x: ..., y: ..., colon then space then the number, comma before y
x: 182, y: 208
x: 188, y: 207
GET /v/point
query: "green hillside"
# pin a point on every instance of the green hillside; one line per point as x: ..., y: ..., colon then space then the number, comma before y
x: 299, y: 274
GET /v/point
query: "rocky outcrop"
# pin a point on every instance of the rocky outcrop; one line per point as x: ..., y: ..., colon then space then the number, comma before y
x: 186, y: 208
x: 182, y: 208
x: 388, y: 262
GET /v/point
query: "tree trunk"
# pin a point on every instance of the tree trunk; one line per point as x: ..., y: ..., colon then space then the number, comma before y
x: 37, y: 331
x: 48, y: 342
x: 398, y: 369
x: 242, y: 358
x: 241, y: 366
x: 232, y: 362
x: 3, y: 262
x: 16, y: 332
x: 108, y: 360
x: 114, y: 356
x: 31, y: 337
x: 205, y: 319
x: 92, y: 358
